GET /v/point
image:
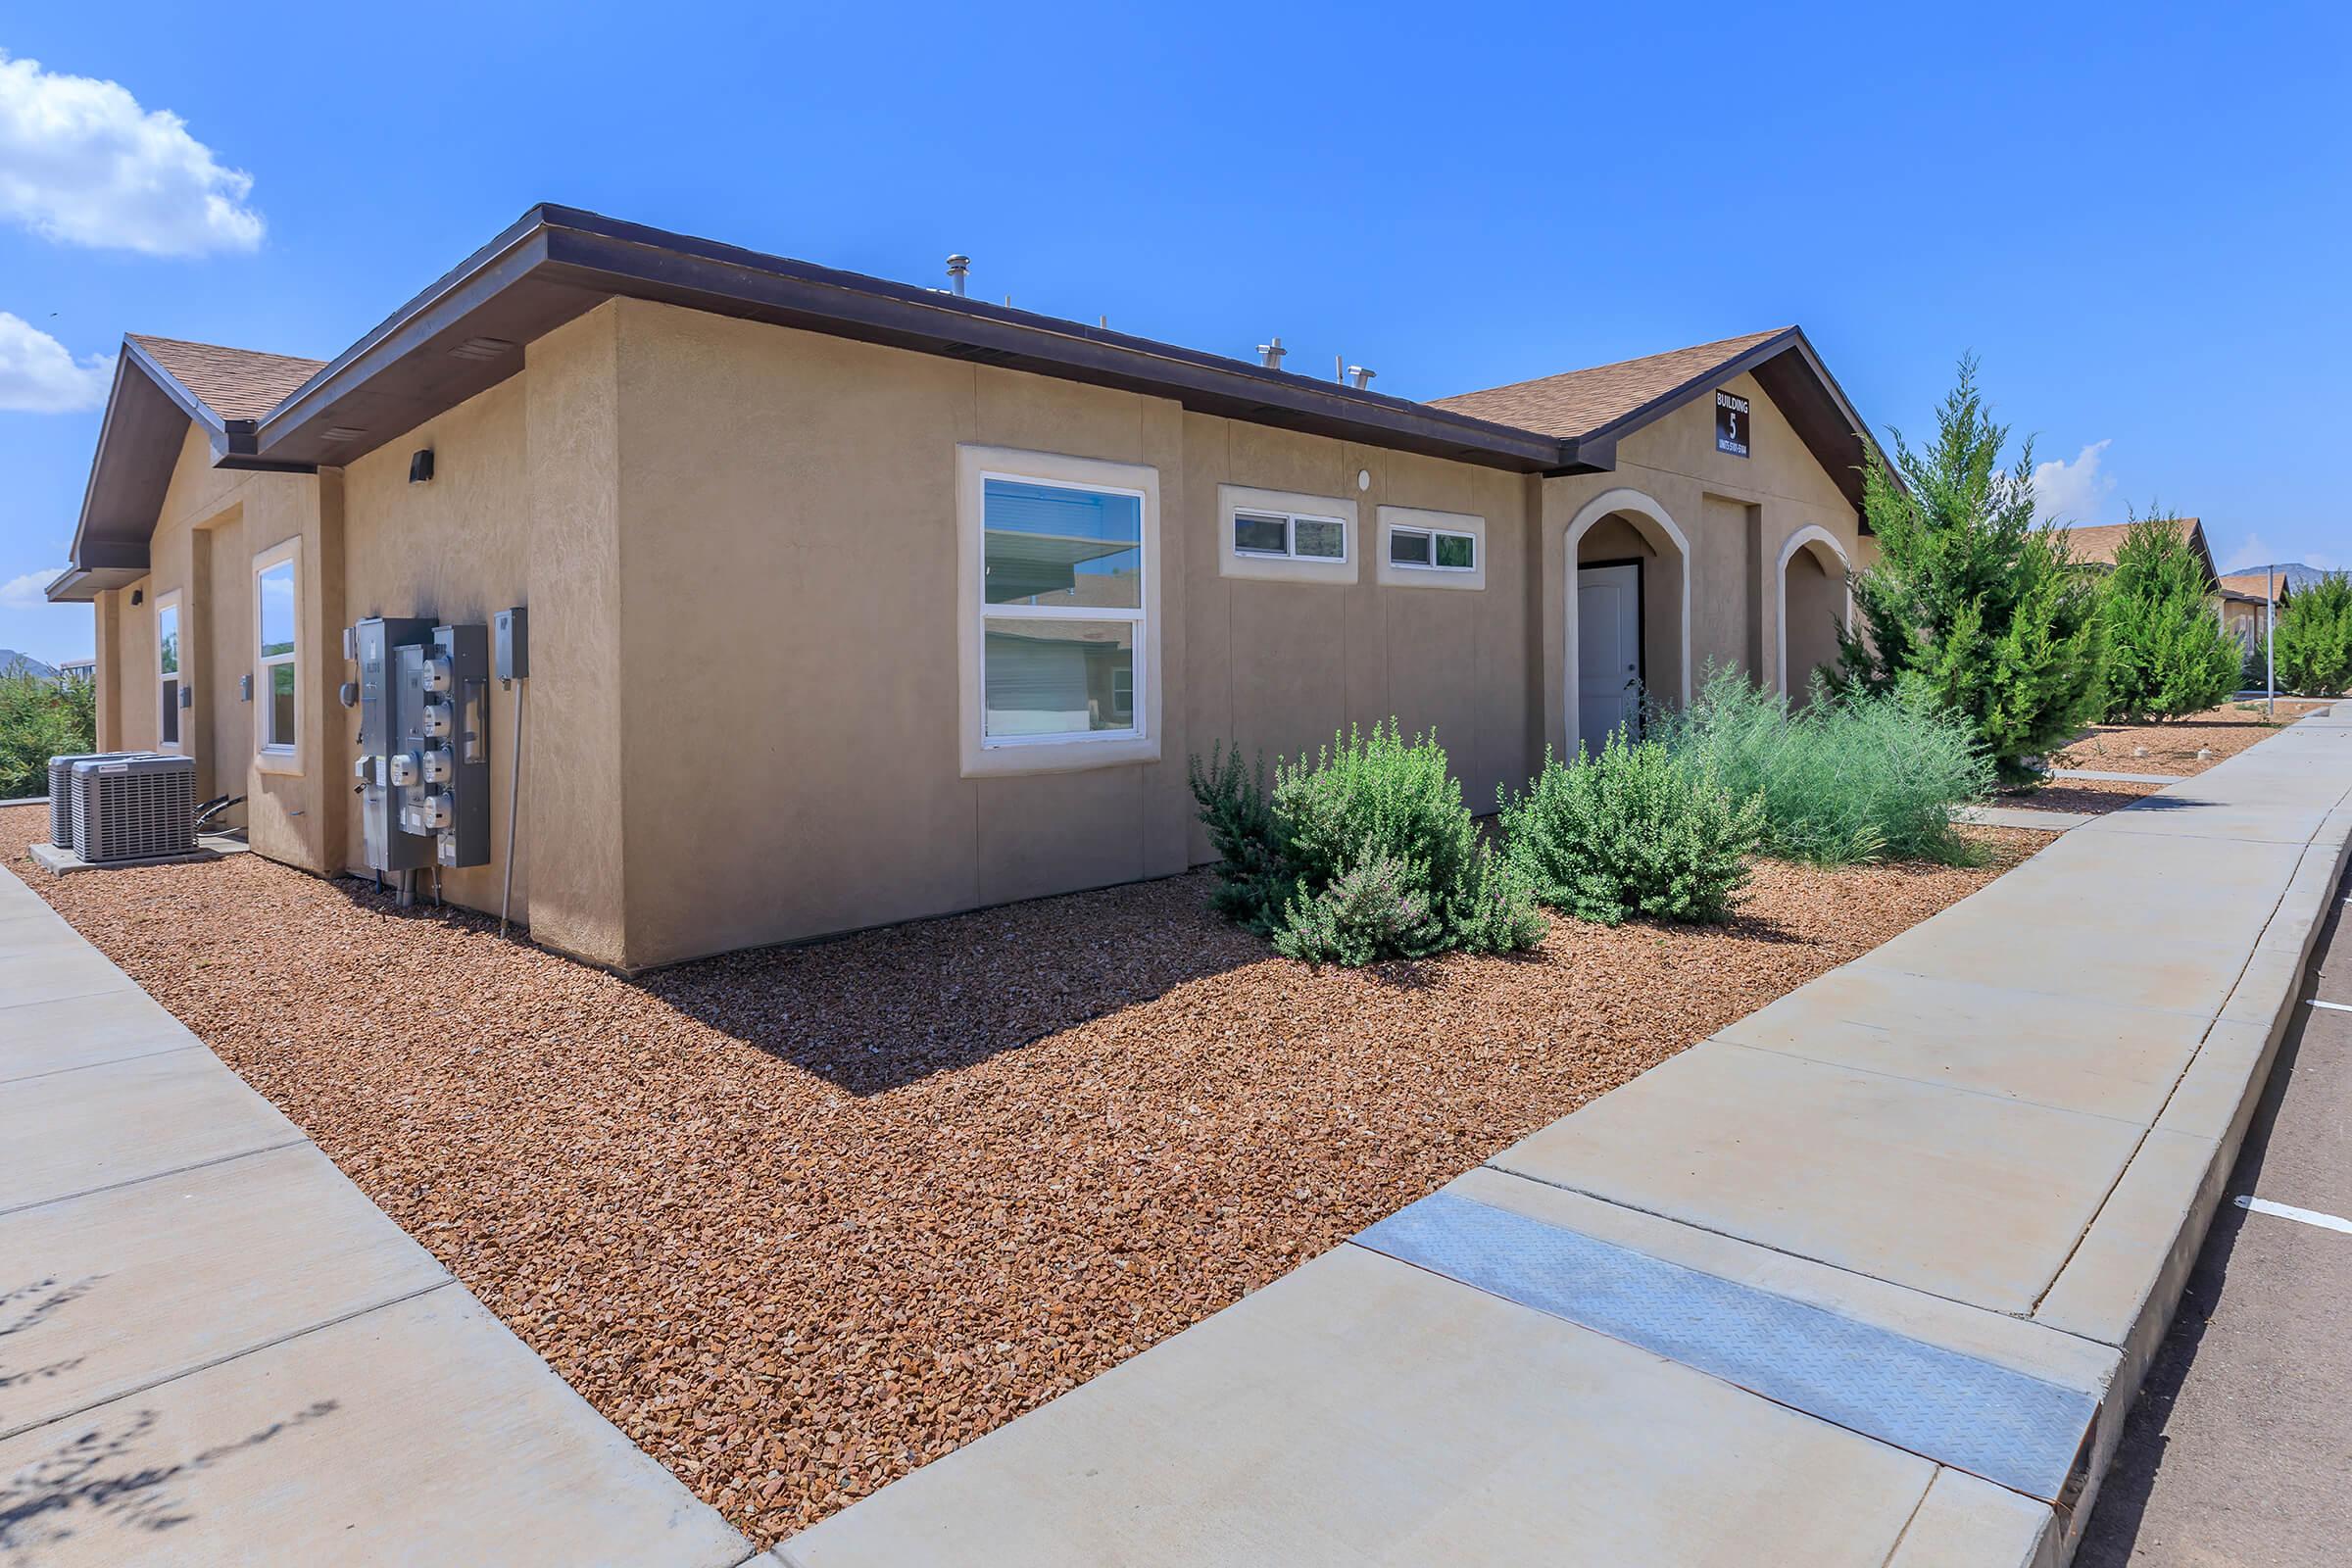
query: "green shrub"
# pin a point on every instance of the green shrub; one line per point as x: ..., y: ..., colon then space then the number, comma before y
x: 40, y: 719
x: 1366, y: 853
x: 1636, y: 831
x: 1253, y: 883
x: 2314, y: 638
x: 2168, y: 654
x: 1843, y: 780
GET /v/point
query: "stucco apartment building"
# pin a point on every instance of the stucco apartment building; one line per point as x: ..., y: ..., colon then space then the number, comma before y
x: 853, y: 602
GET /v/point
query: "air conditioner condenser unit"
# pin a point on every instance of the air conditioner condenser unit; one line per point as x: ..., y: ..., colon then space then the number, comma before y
x: 60, y: 792
x: 134, y: 808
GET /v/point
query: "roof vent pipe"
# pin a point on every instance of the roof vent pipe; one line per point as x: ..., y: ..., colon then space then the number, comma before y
x: 957, y: 265
x: 1362, y: 376
x: 1270, y: 355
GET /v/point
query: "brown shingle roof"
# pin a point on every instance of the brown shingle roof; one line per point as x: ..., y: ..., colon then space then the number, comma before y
x: 2255, y: 585
x: 1576, y: 403
x: 2095, y: 544
x: 234, y: 383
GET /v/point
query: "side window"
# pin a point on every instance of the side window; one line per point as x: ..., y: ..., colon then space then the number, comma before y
x: 1058, y: 619
x: 167, y: 674
x: 277, y: 685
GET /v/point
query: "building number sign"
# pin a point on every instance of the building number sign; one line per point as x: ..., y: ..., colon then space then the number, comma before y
x: 1731, y: 423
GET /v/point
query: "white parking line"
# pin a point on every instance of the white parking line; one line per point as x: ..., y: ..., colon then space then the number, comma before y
x: 2326, y: 1222
x: 2331, y: 1006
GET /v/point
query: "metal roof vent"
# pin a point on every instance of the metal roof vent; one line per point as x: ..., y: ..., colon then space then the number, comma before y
x: 1270, y: 355
x: 134, y: 808
x: 1362, y: 376
x: 957, y: 267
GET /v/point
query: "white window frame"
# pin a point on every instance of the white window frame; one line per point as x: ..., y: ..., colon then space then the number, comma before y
x: 269, y: 755
x: 1290, y: 521
x: 1433, y: 535
x: 985, y: 755
x: 171, y: 603
x: 1234, y: 500
x: 1433, y: 525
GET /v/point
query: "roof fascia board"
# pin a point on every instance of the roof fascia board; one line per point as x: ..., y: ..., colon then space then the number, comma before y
x: 131, y: 358
x: 505, y: 259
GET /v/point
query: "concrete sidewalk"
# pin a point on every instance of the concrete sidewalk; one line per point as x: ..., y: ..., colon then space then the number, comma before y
x: 1869, y: 1279
x: 215, y: 1349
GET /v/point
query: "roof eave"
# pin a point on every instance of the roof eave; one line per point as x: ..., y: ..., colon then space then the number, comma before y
x: 575, y: 260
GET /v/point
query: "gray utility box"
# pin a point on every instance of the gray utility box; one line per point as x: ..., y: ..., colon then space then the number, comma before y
x: 376, y: 644
x: 134, y: 808
x: 441, y: 779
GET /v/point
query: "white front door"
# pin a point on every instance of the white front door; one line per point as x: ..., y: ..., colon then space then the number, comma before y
x: 1608, y: 651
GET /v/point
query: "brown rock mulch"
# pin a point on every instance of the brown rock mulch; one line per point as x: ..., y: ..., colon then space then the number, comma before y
x: 2172, y: 747
x: 797, y: 1221
x: 2081, y: 795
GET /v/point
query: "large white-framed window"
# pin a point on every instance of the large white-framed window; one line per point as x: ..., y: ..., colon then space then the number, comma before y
x: 1060, y: 614
x: 1284, y: 536
x: 168, y: 645
x: 277, y: 656
x: 1423, y: 549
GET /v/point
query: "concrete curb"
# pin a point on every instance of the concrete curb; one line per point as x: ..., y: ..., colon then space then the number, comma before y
x: 2276, y: 970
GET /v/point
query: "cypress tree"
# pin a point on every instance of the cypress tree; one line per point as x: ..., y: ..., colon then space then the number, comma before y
x: 1969, y: 604
x: 2167, y: 652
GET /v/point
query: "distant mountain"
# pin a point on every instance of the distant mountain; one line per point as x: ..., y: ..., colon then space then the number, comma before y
x: 12, y: 663
x: 2298, y: 576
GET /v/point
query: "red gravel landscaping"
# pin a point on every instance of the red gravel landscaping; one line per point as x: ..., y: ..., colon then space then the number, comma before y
x: 2172, y: 747
x: 799, y: 1220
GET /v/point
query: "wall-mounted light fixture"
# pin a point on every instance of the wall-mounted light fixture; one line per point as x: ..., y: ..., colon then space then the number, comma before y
x: 421, y: 466
x: 138, y: 596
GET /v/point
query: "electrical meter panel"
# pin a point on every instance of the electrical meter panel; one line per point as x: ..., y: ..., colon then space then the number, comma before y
x: 424, y: 743
x: 442, y: 790
x: 376, y: 644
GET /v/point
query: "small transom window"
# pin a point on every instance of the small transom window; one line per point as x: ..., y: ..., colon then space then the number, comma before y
x: 1288, y: 536
x: 1433, y: 549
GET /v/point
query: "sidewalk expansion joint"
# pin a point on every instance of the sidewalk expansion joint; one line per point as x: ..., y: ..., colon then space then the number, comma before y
x: 153, y: 1176
x: 111, y: 1061
x: 223, y: 1359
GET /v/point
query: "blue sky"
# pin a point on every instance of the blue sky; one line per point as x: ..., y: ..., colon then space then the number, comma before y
x: 2138, y: 215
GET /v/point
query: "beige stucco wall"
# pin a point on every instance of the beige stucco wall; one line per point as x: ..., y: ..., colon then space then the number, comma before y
x: 789, y: 629
x: 1737, y: 515
x: 212, y: 525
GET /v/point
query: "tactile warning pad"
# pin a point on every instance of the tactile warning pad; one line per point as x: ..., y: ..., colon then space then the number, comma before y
x: 2009, y: 1427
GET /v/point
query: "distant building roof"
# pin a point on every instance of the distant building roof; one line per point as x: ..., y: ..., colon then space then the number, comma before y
x: 2096, y: 544
x: 2256, y: 586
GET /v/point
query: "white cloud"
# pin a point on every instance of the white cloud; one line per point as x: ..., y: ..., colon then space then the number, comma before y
x: 38, y: 375
x: 82, y: 163
x: 2072, y: 492
x: 25, y: 593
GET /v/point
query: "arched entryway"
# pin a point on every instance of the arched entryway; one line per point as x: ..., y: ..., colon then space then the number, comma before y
x: 1628, y: 614
x: 1814, y: 603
